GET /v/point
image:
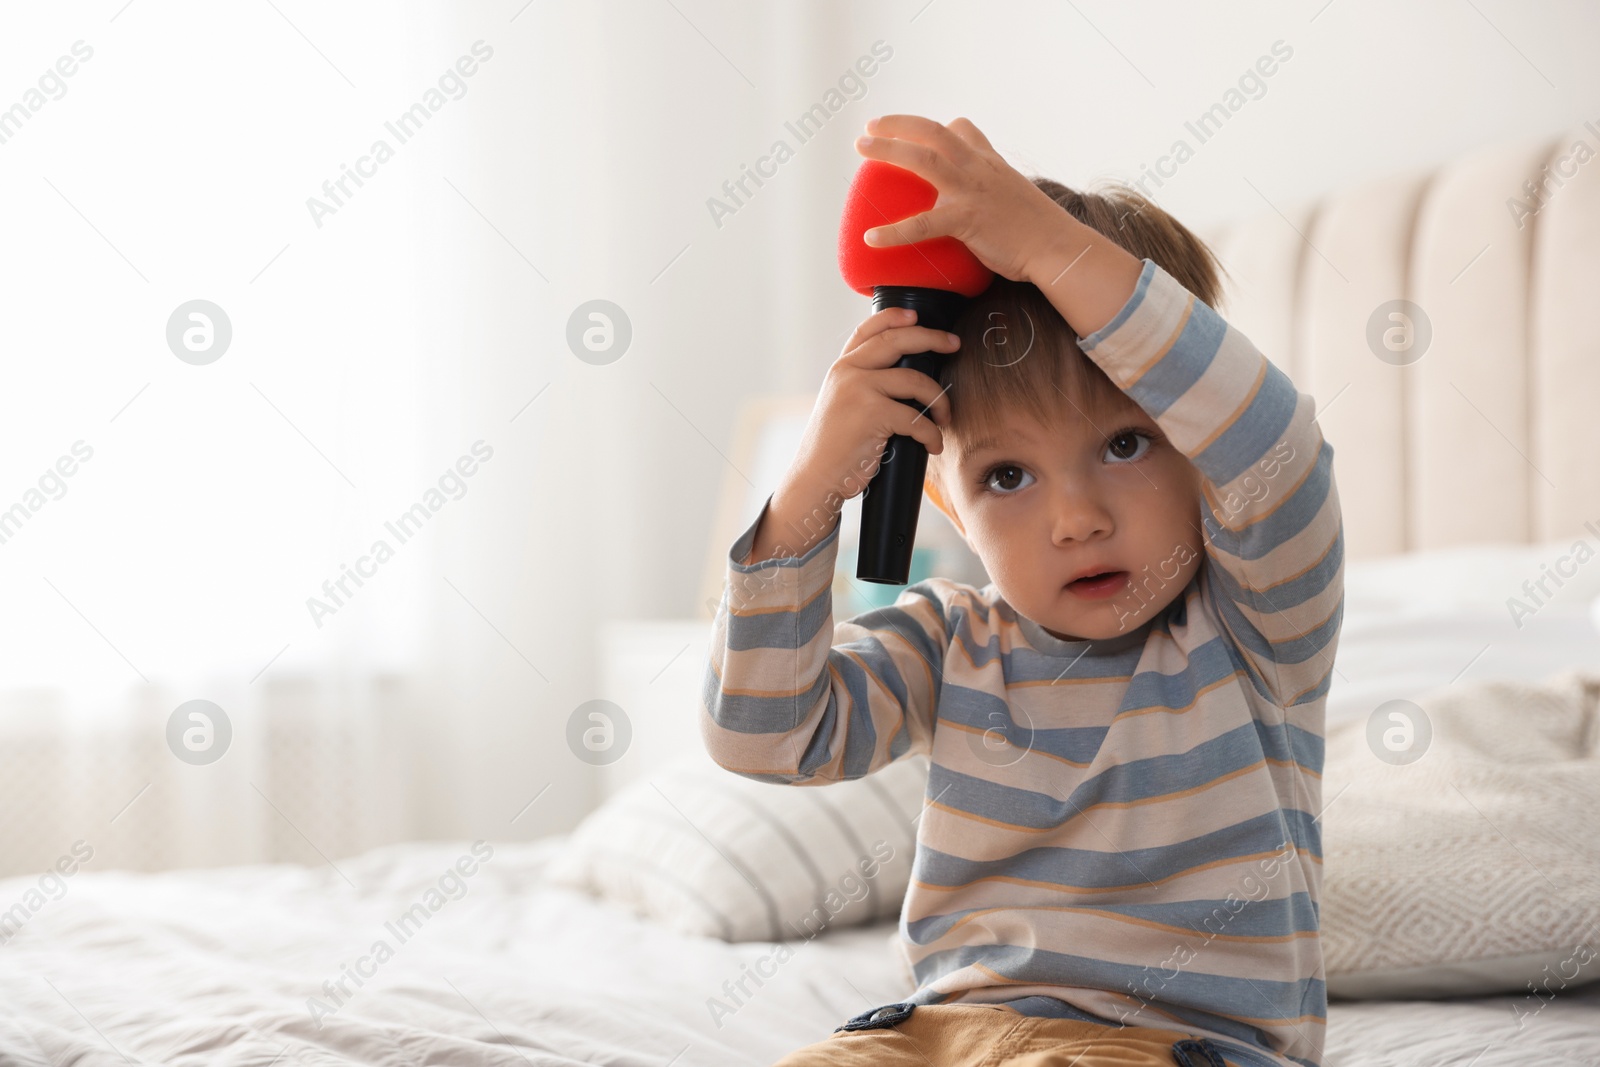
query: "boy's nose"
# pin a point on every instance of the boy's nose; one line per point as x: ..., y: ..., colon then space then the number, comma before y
x: 1080, y: 515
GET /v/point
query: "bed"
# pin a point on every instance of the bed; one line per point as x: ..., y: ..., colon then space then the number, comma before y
x: 217, y: 968
x: 1464, y: 472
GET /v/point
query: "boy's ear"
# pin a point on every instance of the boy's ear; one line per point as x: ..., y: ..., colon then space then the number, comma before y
x: 930, y: 486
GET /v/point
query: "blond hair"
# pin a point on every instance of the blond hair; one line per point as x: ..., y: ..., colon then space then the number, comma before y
x: 1018, y: 354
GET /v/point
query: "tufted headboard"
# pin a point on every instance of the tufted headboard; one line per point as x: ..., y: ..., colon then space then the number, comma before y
x: 1487, y: 430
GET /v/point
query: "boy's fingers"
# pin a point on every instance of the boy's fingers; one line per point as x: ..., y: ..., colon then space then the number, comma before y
x: 964, y: 129
x: 932, y: 399
x: 878, y: 322
x: 922, y: 130
x: 936, y: 222
x: 907, y: 423
x: 923, y: 160
x: 886, y: 348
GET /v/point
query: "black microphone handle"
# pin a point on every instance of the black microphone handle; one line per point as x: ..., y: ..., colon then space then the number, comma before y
x: 893, y: 499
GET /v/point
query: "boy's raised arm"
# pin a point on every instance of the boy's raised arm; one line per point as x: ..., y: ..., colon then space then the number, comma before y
x: 1270, y: 507
x: 791, y: 697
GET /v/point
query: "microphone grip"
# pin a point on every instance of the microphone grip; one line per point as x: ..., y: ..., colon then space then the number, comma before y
x: 892, y: 501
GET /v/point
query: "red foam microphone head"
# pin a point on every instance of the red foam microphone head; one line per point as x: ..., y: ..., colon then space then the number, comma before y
x: 882, y: 193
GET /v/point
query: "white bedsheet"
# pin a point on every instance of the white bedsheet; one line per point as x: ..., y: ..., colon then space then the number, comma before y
x: 217, y: 967
x: 220, y: 966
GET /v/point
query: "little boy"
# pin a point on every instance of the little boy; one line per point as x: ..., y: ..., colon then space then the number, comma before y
x: 1118, y: 857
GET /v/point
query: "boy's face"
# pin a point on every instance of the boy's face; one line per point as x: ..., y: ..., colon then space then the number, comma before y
x: 1088, y: 526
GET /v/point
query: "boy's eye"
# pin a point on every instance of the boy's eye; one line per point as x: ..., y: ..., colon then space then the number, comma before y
x: 1006, y: 478
x: 1126, y: 445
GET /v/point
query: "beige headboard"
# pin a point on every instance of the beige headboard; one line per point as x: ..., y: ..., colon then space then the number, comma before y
x: 1492, y: 434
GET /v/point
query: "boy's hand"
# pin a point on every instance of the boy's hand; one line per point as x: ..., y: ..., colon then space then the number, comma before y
x: 984, y: 202
x: 1012, y: 226
x: 855, y: 413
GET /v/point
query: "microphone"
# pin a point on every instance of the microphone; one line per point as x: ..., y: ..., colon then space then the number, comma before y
x: 935, y: 277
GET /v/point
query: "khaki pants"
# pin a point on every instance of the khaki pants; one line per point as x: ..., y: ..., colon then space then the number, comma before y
x: 969, y: 1035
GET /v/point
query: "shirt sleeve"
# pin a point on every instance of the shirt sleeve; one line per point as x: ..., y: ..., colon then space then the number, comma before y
x: 791, y: 697
x: 1270, y: 510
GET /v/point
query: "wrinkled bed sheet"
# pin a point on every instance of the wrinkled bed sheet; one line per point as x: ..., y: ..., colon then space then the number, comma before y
x: 228, y: 967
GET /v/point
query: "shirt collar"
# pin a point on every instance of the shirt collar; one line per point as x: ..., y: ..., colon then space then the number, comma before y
x: 1044, y: 642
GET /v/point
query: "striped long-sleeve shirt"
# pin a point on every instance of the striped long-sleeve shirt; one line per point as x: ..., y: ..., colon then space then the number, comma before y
x: 1143, y: 848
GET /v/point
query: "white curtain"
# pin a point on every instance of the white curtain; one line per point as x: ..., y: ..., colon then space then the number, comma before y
x: 382, y: 332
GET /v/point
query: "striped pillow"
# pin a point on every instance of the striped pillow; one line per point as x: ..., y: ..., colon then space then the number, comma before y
x: 707, y: 852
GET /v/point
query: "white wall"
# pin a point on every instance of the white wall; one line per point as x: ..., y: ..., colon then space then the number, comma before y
x: 1079, y: 92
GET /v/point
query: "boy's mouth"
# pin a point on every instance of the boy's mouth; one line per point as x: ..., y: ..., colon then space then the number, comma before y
x: 1099, y: 586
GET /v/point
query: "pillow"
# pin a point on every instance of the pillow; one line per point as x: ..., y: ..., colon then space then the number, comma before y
x: 1470, y: 870
x: 707, y: 852
x: 1421, y: 621
x: 1437, y: 581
